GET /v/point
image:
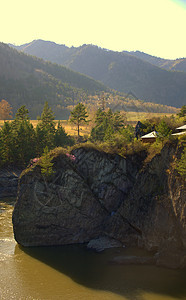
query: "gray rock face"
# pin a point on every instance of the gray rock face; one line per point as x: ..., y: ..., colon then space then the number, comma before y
x: 9, y: 182
x: 101, y: 195
x: 61, y: 211
x: 103, y: 243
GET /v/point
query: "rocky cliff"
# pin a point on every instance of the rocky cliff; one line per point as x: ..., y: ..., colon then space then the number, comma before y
x: 101, y: 196
x: 9, y: 182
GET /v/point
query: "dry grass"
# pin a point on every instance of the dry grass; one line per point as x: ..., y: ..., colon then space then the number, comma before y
x: 69, y: 128
x: 72, y: 129
x: 132, y: 118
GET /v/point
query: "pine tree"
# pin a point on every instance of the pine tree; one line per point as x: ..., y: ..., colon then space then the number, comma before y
x: 163, y: 130
x: 45, y: 130
x: 22, y: 114
x: 46, y: 165
x: 107, y: 124
x: 24, y: 138
x: 25, y: 142
x: 182, y: 112
x: 7, y: 148
x: 61, y: 138
x: 78, y: 116
x: 47, y: 118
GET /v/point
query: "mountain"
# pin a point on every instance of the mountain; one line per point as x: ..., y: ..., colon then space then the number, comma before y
x: 30, y: 81
x: 174, y: 65
x: 134, y: 72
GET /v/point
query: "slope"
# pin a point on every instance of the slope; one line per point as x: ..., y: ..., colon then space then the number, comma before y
x: 31, y: 81
x: 121, y: 71
x: 168, y: 64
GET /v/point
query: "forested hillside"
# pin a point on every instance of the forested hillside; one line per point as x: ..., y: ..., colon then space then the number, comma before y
x: 168, y: 64
x: 144, y: 76
x: 26, y: 80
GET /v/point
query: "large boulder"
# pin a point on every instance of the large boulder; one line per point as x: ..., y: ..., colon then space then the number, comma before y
x: 99, y: 196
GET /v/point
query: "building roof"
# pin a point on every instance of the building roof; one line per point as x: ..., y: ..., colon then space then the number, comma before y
x: 150, y: 135
x: 179, y: 133
x: 182, y: 127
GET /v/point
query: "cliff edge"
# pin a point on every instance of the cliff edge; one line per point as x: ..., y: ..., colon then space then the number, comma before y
x: 99, y: 195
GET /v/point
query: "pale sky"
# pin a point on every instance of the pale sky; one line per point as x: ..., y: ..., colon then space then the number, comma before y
x: 157, y: 27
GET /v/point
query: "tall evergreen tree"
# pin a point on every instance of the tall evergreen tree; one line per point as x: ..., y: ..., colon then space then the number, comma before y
x: 163, y: 130
x: 23, y: 136
x: 47, y: 118
x: 46, y: 164
x: 45, y: 130
x: 22, y: 113
x: 107, y: 124
x: 7, y: 148
x: 61, y: 138
x: 79, y: 116
x: 25, y: 142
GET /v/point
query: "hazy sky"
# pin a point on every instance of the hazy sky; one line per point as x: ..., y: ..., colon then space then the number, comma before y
x: 157, y: 27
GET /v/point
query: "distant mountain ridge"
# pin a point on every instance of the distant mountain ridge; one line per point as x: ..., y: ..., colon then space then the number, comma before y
x: 30, y: 81
x: 148, y: 77
x: 178, y: 64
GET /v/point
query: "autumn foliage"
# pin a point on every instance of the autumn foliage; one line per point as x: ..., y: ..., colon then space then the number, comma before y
x: 5, y: 110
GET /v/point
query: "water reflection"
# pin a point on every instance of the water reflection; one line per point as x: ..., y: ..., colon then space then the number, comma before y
x: 73, y: 272
x: 93, y: 270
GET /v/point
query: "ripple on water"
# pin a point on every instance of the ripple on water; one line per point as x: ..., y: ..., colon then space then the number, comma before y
x: 7, y: 248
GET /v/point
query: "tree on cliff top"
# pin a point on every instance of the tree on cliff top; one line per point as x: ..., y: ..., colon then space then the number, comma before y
x: 78, y: 116
x: 46, y: 164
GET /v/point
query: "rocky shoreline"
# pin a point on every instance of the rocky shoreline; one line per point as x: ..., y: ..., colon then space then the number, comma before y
x: 9, y: 182
x: 105, y: 201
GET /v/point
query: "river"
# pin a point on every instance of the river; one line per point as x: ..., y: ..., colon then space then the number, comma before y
x: 74, y: 273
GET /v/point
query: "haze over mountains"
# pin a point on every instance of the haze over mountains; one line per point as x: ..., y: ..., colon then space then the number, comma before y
x: 149, y: 78
x: 30, y: 81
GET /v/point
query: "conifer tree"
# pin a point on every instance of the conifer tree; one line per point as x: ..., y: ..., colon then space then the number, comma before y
x: 163, y: 130
x: 45, y: 130
x: 47, y: 118
x: 7, y: 149
x: 23, y: 136
x: 78, y: 116
x: 22, y: 113
x: 46, y: 165
x: 61, y: 138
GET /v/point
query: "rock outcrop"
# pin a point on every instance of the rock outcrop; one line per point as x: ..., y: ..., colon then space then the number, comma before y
x: 101, y: 196
x: 9, y: 182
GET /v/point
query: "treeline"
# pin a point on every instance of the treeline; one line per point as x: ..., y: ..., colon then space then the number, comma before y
x: 20, y: 141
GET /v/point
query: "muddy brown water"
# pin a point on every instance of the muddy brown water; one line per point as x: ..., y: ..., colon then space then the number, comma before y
x: 75, y: 273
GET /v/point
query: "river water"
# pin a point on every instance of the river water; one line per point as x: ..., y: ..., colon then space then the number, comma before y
x: 74, y: 273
